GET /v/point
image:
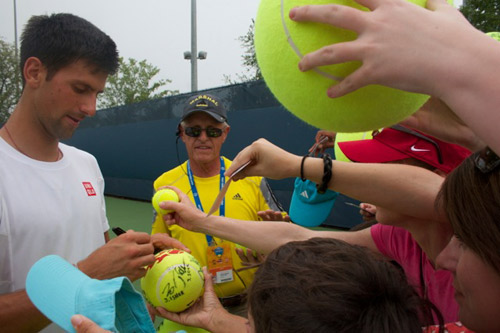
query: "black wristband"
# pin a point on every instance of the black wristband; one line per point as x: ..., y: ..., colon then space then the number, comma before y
x: 327, y: 174
x: 302, y: 168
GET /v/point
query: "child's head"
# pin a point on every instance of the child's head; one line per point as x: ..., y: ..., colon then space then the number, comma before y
x: 327, y: 285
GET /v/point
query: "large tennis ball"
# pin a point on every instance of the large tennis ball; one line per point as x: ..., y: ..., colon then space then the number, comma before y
x: 165, y: 194
x: 279, y: 45
x: 494, y: 35
x: 341, y: 137
x: 174, y: 281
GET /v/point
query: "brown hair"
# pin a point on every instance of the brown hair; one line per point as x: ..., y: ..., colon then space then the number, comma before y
x: 471, y: 201
x: 327, y: 285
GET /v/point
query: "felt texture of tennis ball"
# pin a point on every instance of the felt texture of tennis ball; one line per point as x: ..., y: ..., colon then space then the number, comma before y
x: 254, y: 253
x: 174, y: 281
x: 164, y: 195
x: 494, y: 34
x: 168, y: 326
x: 304, y: 94
x: 342, y: 137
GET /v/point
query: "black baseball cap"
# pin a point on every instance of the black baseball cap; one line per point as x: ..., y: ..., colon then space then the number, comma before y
x: 207, y: 103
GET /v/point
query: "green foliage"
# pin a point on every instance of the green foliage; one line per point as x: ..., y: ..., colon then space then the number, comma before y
x: 133, y: 83
x: 482, y: 14
x: 252, y: 69
x: 10, y: 80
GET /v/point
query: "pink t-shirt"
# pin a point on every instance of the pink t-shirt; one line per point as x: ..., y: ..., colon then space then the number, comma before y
x: 397, y: 244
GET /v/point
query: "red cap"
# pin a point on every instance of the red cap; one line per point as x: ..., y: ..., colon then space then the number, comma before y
x: 398, y: 142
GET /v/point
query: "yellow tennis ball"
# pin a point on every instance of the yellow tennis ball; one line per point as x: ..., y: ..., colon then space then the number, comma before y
x: 165, y: 194
x: 168, y: 326
x: 341, y: 137
x: 279, y: 45
x: 174, y: 281
x: 254, y: 253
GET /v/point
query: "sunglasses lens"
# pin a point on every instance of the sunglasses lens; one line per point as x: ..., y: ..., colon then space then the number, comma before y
x: 193, y: 131
x: 214, y: 132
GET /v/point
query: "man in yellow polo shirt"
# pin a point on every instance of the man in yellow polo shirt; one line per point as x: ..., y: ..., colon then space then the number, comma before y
x: 203, y: 129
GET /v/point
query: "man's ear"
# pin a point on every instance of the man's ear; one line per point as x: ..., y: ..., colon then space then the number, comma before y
x: 226, y: 132
x: 34, y: 72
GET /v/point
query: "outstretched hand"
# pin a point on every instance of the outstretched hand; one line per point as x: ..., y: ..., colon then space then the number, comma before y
x: 125, y: 255
x: 203, y: 313
x: 272, y: 215
x: 185, y: 212
x: 393, y: 43
x: 267, y: 160
x: 330, y: 143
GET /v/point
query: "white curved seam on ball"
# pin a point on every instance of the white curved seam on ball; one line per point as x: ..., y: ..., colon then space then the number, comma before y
x: 297, y: 51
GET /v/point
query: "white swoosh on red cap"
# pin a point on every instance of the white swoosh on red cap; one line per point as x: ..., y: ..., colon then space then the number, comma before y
x: 418, y: 149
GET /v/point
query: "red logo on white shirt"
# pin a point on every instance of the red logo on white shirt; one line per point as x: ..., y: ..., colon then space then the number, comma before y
x: 89, y: 188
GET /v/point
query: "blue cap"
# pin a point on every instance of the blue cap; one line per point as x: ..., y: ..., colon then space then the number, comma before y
x: 308, y: 207
x: 59, y: 290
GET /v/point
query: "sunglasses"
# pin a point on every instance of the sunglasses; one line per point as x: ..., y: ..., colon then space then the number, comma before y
x: 486, y: 160
x: 194, y: 132
x: 420, y: 136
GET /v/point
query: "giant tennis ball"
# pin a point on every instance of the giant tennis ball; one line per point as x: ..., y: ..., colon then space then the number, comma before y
x: 304, y: 93
x: 494, y: 35
x: 174, y: 281
x: 342, y: 137
x: 165, y: 194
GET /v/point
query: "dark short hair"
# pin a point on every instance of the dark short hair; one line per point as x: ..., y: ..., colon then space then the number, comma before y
x: 61, y: 39
x: 327, y: 285
x: 471, y: 201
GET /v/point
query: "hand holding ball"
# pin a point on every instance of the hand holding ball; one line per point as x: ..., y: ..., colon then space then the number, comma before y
x: 165, y: 194
x: 280, y: 43
x: 174, y: 281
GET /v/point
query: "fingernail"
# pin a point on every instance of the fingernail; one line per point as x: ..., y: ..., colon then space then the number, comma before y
x: 76, y: 320
x: 291, y: 14
x: 331, y: 93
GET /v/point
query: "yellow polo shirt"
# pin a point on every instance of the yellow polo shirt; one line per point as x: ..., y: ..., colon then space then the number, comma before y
x: 243, y: 200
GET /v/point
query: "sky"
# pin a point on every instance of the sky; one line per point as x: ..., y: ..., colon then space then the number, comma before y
x: 158, y: 31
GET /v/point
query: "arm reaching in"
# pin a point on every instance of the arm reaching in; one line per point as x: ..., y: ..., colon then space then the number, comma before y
x: 402, y: 188
x: 262, y: 237
x: 436, y: 118
x: 393, y: 43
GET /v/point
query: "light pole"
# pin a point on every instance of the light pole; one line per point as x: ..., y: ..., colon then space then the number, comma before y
x: 193, y: 55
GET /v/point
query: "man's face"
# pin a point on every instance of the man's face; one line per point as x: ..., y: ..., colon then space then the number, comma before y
x: 203, y: 149
x: 61, y: 103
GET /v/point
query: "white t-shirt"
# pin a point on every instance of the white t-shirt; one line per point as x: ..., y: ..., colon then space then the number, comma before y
x: 48, y: 208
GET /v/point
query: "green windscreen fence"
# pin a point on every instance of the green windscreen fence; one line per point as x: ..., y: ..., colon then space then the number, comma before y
x: 134, y: 144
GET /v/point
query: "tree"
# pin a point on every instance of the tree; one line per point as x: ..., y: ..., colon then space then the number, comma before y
x: 10, y: 80
x: 482, y: 14
x: 252, y: 69
x: 133, y: 83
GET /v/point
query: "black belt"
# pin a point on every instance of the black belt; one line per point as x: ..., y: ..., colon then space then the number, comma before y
x: 232, y: 300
